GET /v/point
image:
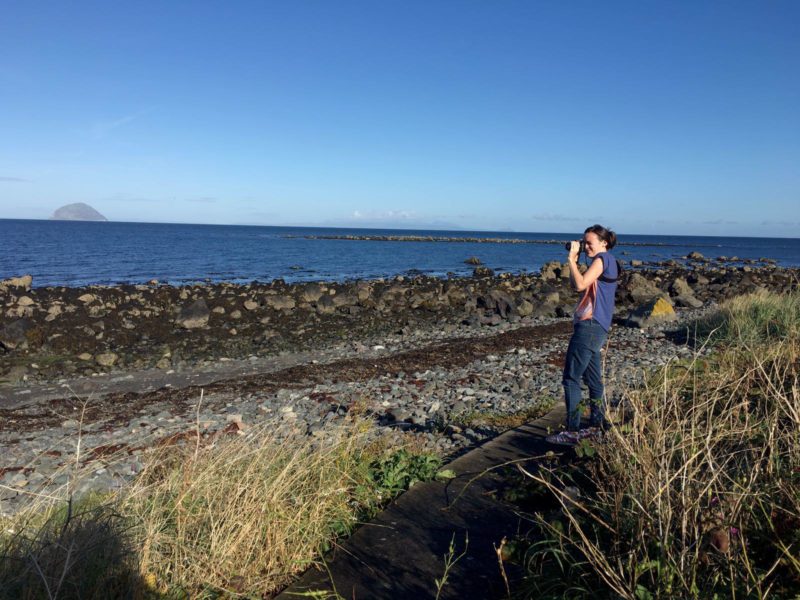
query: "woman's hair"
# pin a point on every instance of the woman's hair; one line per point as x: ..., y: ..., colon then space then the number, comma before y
x: 606, y: 235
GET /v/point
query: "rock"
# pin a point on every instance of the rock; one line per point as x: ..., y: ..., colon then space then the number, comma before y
x: 25, y: 301
x: 636, y: 263
x: 311, y: 293
x: 473, y: 260
x: 326, y: 305
x: 482, y: 272
x: 194, y: 315
x: 17, y: 283
x: 695, y: 256
x: 344, y: 300
x: 15, y: 335
x: 106, y: 359
x: 524, y: 308
x: 85, y: 356
x: 237, y: 314
x: 87, y: 298
x: 654, y: 312
x: 250, y: 305
x: 680, y: 287
x: 280, y: 302
x: 687, y: 301
x: 642, y: 289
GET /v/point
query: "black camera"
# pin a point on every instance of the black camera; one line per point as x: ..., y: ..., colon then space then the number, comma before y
x: 581, y: 247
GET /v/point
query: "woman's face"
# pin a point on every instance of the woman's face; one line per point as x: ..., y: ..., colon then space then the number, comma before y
x: 594, y: 245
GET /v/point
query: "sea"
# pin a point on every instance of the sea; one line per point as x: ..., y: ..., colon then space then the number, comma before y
x: 71, y: 253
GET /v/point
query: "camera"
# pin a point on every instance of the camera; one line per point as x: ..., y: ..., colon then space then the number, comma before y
x: 581, y: 247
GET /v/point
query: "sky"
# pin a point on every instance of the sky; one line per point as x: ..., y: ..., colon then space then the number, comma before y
x: 648, y: 117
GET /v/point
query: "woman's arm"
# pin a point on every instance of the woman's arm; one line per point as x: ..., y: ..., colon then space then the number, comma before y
x: 581, y: 281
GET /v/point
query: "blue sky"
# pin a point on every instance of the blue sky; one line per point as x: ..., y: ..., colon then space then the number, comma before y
x: 649, y: 117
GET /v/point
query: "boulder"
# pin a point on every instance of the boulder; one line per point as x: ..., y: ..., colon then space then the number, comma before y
x: 250, y: 305
x: 680, y: 287
x: 642, y: 289
x: 326, y: 306
x: 87, y: 298
x: 17, y: 283
x: 687, y: 301
x: 363, y: 291
x: 482, y: 272
x: 498, y: 302
x: 695, y: 256
x: 524, y: 308
x: 15, y: 334
x: 344, y: 300
x: 280, y: 302
x: 193, y: 315
x: 106, y: 359
x: 653, y: 312
x: 473, y: 260
x: 311, y: 293
x: 25, y: 301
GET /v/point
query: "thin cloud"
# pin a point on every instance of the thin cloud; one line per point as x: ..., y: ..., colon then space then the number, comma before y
x: 720, y: 222
x: 100, y: 129
x: 779, y: 224
x: 13, y: 179
x: 394, y: 215
x: 202, y: 200
x: 125, y: 198
x: 554, y: 217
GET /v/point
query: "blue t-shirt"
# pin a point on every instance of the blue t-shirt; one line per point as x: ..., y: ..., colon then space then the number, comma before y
x: 604, y: 304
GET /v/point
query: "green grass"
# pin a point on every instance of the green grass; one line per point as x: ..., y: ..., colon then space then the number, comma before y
x: 754, y: 319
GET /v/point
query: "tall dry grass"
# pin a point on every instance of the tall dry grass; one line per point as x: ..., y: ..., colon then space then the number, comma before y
x: 697, y: 495
x: 231, y: 516
x: 248, y: 513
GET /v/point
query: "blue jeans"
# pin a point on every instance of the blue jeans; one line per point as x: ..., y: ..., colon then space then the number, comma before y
x: 583, y: 362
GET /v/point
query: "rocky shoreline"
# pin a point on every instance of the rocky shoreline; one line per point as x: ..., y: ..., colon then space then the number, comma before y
x: 449, y: 362
x: 51, y: 333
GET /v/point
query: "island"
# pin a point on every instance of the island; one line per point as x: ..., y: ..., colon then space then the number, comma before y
x: 79, y: 211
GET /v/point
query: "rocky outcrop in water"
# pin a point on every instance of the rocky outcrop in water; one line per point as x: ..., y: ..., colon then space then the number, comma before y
x: 78, y: 211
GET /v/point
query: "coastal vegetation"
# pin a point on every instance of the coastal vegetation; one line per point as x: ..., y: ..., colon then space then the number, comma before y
x: 696, y: 492
x: 239, y: 517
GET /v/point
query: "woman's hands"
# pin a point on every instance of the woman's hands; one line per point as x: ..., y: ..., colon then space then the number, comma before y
x: 574, y: 250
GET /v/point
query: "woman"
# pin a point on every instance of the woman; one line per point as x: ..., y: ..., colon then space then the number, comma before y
x: 592, y: 321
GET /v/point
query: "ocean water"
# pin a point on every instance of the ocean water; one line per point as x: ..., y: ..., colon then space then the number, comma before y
x: 83, y: 253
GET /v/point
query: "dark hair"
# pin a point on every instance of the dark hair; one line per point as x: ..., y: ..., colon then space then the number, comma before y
x: 606, y: 235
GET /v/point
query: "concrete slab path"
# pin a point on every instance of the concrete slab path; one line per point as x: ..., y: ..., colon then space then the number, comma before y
x: 400, y: 553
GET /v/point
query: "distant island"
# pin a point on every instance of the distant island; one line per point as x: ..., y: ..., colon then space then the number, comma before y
x: 78, y: 211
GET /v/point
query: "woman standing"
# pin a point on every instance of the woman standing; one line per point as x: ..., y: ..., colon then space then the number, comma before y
x: 591, y: 323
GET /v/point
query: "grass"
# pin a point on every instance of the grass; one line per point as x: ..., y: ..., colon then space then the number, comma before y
x: 697, y: 494
x: 505, y: 420
x: 241, y: 516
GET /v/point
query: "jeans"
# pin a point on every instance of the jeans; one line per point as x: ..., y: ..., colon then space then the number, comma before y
x: 583, y: 362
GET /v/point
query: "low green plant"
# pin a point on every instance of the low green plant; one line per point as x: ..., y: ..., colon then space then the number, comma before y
x: 400, y: 469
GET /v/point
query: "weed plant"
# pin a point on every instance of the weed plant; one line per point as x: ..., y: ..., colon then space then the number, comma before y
x: 697, y: 495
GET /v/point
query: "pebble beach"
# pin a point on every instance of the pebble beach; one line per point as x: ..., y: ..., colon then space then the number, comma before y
x: 447, y: 363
